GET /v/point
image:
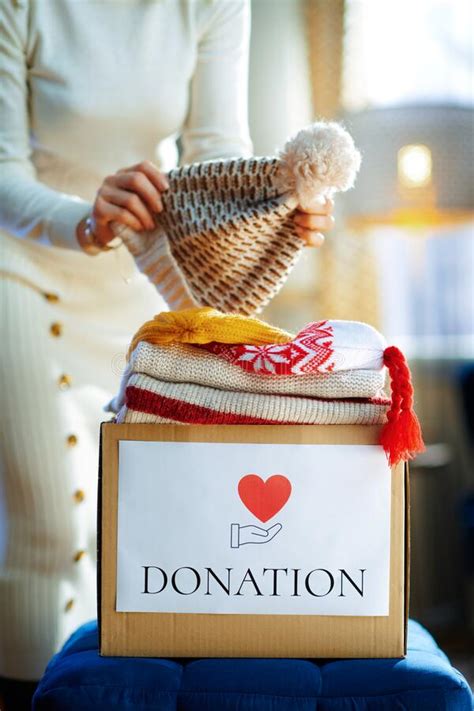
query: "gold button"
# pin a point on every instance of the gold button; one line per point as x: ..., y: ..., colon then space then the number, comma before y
x: 69, y: 605
x: 71, y: 440
x: 79, y: 495
x: 56, y: 329
x: 79, y: 556
x: 49, y: 296
x: 64, y: 381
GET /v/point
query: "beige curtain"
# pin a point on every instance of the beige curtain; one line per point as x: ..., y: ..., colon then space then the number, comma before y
x: 343, y: 282
x: 347, y: 280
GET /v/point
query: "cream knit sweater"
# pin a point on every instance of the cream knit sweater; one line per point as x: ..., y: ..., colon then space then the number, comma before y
x: 86, y: 87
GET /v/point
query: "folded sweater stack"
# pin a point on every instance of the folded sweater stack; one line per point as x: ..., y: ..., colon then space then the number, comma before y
x: 201, y: 366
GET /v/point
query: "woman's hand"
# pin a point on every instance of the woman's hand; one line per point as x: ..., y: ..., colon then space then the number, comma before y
x: 308, y: 224
x: 130, y: 197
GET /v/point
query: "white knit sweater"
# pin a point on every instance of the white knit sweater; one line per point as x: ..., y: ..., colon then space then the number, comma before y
x: 87, y: 87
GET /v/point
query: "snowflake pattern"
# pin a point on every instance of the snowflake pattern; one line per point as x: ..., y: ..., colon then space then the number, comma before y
x: 309, y: 352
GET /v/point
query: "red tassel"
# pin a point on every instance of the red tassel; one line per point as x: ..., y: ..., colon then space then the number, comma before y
x: 401, y: 436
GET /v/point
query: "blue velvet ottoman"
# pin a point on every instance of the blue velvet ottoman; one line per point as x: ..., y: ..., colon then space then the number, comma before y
x: 77, y: 679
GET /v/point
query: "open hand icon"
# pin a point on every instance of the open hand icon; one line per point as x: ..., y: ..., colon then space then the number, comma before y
x: 240, y: 535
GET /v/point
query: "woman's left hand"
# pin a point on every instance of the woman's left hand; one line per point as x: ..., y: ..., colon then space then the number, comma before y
x: 309, y: 224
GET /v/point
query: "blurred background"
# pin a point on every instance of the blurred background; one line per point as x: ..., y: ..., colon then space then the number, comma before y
x: 399, y: 74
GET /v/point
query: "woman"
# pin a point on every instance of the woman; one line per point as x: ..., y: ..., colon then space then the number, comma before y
x: 89, y: 92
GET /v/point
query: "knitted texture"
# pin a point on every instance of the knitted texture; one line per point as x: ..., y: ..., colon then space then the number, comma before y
x: 185, y: 363
x: 203, y: 325
x: 401, y: 437
x: 152, y: 400
x: 226, y: 236
x: 198, y: 368
x: 320, y: 347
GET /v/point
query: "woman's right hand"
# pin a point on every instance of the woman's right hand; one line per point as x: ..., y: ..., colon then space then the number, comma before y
x: 130, y: 197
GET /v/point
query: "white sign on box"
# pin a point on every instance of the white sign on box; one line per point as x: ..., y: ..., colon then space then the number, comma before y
x: 253, y: 528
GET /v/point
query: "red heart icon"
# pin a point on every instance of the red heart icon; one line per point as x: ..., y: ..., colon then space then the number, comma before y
x: 264, y: 498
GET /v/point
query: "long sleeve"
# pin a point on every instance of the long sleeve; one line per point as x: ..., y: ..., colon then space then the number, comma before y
x: 28, y: 208
x: 217, y: 122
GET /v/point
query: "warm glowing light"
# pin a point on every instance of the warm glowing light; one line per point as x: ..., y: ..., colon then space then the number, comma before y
x: 414, y: 166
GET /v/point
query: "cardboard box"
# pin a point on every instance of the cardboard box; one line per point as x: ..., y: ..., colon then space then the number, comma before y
x: 177, y: 562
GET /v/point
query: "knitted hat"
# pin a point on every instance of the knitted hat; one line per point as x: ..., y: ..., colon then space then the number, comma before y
x: 205, y: 324
x: 172, y: 389
x: 226, y: 236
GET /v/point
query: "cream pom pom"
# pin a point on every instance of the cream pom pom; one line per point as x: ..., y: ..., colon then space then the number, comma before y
x: 317, y: 161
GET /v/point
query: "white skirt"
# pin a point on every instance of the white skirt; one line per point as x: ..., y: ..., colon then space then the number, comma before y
x: 67, y: 320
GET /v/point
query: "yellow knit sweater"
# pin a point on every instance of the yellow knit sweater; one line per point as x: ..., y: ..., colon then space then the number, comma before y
x: 204, y: 325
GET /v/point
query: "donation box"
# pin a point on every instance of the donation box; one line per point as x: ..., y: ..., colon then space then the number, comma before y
x: 251, y: 541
